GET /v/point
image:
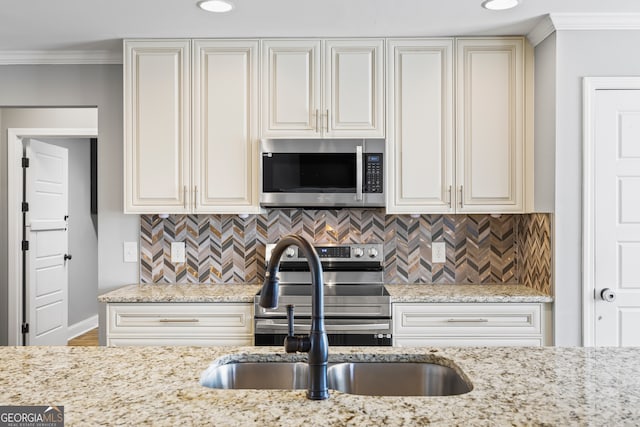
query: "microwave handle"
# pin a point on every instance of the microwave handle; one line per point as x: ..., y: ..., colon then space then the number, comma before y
x: 359, y: 172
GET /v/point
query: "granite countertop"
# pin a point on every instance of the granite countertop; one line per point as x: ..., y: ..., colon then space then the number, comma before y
x: 161, y: 292
x: 160, y: 386
x: 399, y: 293
x: 465, y: 293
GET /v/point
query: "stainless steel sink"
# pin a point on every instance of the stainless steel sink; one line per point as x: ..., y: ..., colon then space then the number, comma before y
x: 259, y: 375
x: 396, y: 379
x: 371, y: 379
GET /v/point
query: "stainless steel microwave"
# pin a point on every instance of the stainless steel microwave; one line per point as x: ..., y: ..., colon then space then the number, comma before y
x: 322, y: 173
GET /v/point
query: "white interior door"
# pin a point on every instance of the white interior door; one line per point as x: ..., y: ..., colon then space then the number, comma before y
x: 47, y: 273
x: 617, y: 217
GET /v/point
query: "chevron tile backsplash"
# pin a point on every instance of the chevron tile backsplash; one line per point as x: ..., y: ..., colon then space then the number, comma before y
x: 229, y: 249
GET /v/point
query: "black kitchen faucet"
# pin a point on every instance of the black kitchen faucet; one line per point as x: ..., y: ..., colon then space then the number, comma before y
x: 316, y: 343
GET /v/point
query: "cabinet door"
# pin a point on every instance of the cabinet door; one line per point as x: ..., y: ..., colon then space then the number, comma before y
x: 156, y: 126
x: 354, y: 91
x: 490, y: 125
x: 291, y: 88
x: 225, y: 126
x: 420, y: 133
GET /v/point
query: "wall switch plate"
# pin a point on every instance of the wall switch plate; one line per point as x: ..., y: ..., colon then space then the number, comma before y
x: 177, y: 252
x: 438, y: 252
x: 130, y: 251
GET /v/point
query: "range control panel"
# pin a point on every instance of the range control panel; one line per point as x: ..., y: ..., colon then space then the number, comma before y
x: 350, y: 252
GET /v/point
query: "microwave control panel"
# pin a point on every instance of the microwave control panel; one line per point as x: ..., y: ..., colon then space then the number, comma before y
x: 373, y: 177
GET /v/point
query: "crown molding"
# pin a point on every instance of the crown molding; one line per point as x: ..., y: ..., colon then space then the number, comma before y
x: 23, y: 57
x: 541, y: 31
x: 596, y: 21
x: 582, y: 22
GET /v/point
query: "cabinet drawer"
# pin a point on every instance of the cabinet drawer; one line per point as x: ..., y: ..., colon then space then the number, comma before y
x: 180, y: 319
x: 466, y: 319
x: 466, y: 341
x: 188, y: 341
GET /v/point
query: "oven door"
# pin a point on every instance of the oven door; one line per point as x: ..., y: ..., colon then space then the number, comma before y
x: 340, y: 332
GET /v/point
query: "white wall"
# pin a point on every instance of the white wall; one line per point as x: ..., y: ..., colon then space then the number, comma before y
x: 72, y: 86
x: 83, y: 232
x: 578, y: 54
x: 545, y: 124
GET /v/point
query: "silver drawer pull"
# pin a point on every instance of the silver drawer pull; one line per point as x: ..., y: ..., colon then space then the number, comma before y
x: 467, y: 320
x: 179, y: 320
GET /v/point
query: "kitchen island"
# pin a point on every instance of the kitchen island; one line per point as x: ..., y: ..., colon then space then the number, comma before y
x: 160, y: 386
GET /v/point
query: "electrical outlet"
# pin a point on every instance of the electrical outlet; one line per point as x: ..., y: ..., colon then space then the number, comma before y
x: 130, y: 251
x: 177, y: 252
x: 438, y: 252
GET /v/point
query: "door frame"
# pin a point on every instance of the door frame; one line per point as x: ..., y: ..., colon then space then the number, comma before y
x: 14, y: 214
x: 589, y: 87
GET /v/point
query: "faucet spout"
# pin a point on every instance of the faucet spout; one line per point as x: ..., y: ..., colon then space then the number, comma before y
x: 317, y: 342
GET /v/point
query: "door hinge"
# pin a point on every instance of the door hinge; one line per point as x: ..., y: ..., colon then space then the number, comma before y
x: 25, y: 207
x: 25, y: 328
x: 25, y: 162
x: 25, y: 245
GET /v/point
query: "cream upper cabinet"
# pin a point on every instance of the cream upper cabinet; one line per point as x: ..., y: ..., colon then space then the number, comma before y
x: 191, y: 158
x: 225, y: 126
x: 313, y: 88
x: 291, y: 88
x: 420, y: 161
x: 466, y: 156
x: 490, y: 124
x: 157, y: 88
x: 354, y: 88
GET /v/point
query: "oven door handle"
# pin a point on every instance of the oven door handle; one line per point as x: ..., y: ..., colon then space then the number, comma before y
x: 327, y: 327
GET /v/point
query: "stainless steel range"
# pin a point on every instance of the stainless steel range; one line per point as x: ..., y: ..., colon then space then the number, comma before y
x: 356, y: 304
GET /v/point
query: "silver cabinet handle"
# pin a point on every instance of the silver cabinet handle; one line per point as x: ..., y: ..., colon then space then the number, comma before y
x: 195, y: 197
x: 479, y: 320
x: 317, y: 122
x: 359, y: 172
x: 461, y: 197
x: 185, y: 197
x: 327, y: 120
x: 179, y: 320
x: 608, y: 295
x: 450, y: 201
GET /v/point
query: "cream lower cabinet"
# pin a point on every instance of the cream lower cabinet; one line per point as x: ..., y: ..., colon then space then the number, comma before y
x: 315, y: 88
x: 195, y: 324
x: 191, y: 158
x: 478, y: 324
x: 462, y: 154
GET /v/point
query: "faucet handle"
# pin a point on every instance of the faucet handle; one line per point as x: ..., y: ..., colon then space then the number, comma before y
x: 293, y: 344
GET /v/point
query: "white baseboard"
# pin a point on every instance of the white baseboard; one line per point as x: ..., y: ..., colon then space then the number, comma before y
x: 83, y: 326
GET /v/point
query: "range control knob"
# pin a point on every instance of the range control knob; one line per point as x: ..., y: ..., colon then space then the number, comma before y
x: 358, y: 252
x: 373, y: 252
x: 290, y: 252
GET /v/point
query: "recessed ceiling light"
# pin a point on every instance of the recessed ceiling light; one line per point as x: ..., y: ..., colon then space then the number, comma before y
x: 217, y: 6
x: 500, y: 4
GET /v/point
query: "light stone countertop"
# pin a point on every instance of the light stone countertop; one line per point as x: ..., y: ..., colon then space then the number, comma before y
x: 161, y: 292
x: 399, y: 293
x: 160, y: 386
x: 465, y: 293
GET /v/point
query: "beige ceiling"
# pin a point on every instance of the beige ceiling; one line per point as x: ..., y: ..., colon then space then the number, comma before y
x: 101, y: 24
